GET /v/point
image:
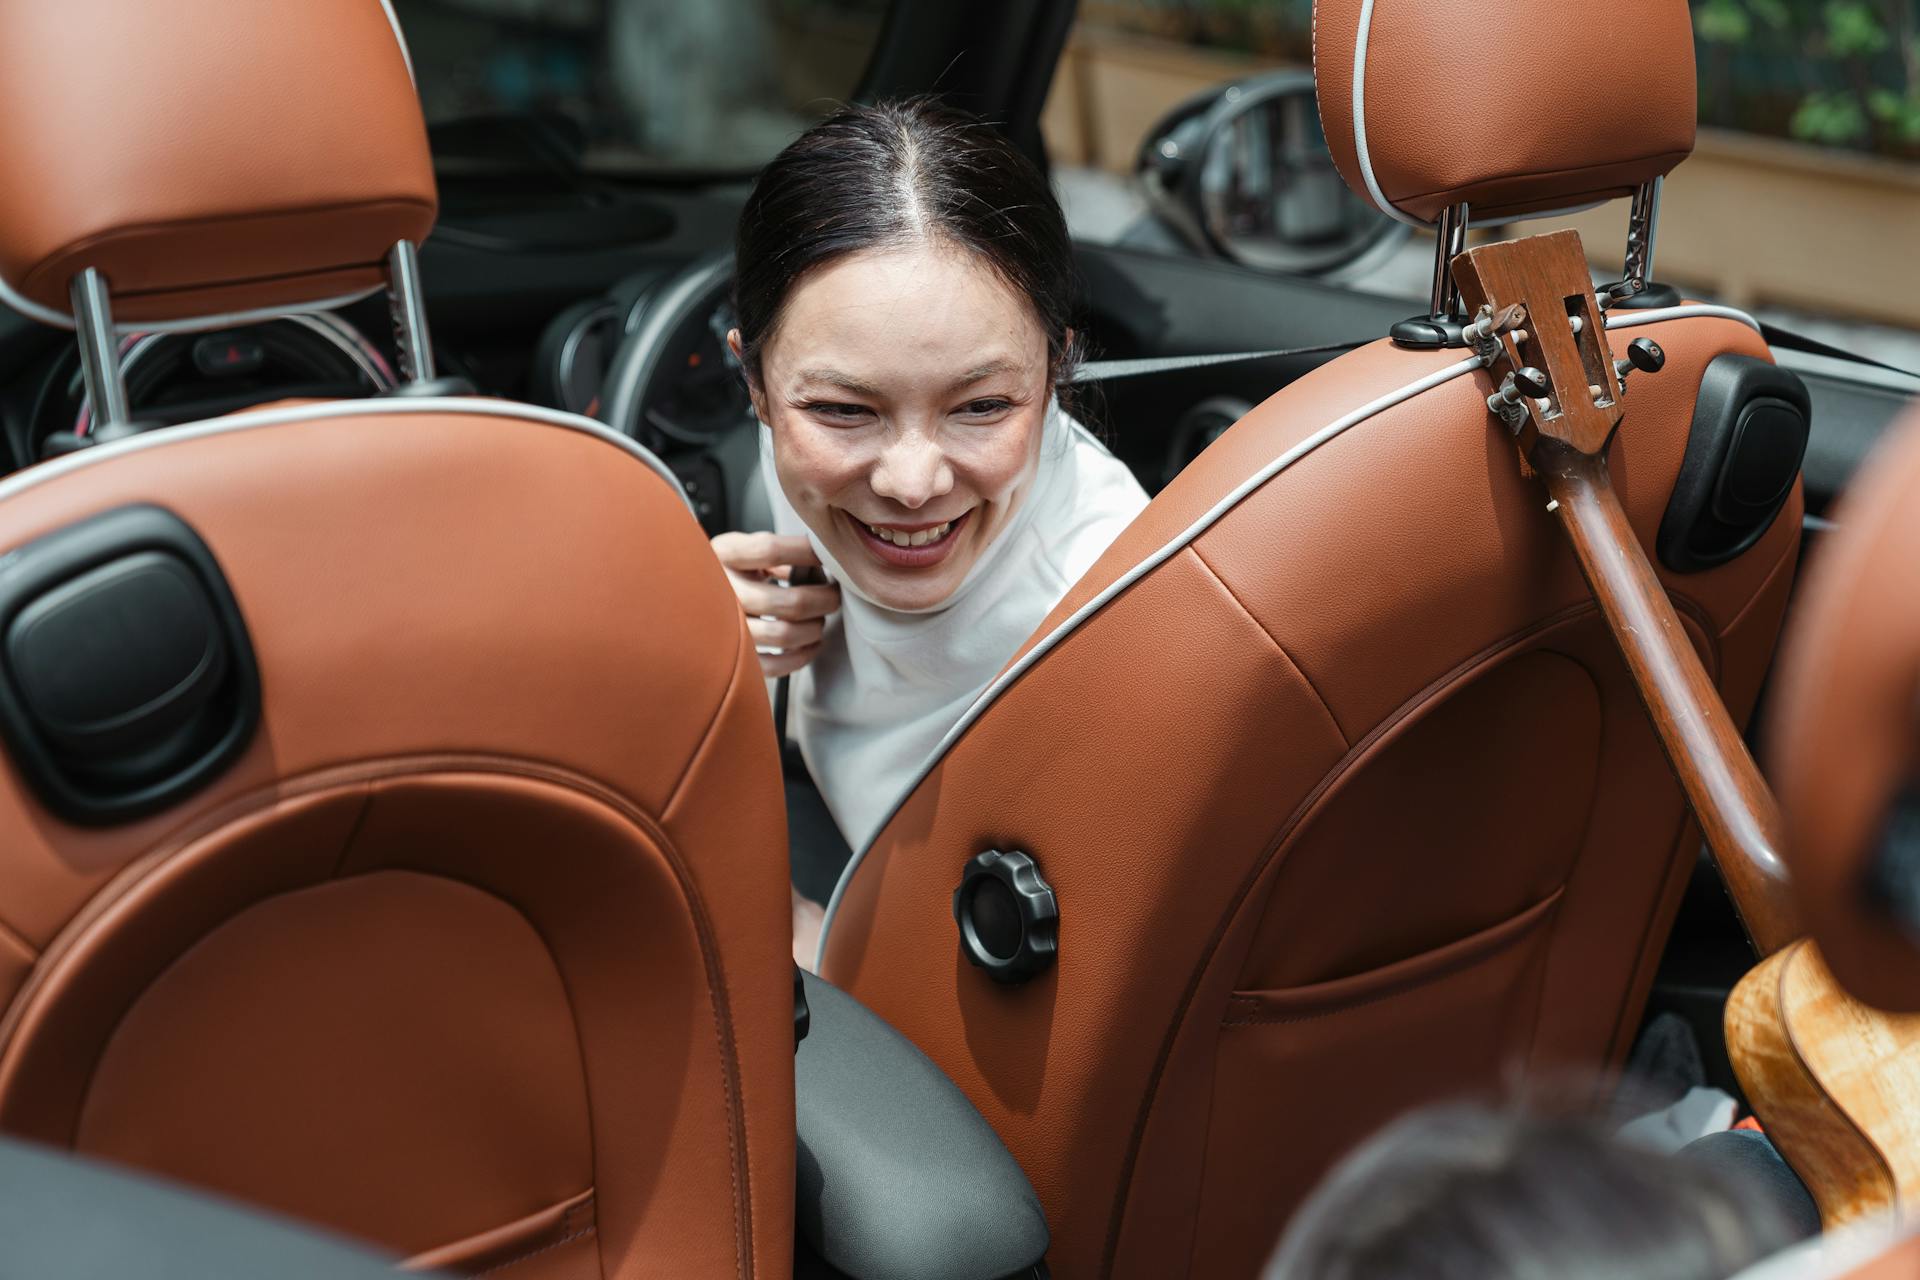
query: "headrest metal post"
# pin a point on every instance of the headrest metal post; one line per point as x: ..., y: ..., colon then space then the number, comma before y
x: 99, y: 352
x: 408, y: 302
x: 1643, y: 224
x: 1450, y: 235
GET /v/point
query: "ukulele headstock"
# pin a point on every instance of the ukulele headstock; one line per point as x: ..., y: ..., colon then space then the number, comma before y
x: 1536, y: 307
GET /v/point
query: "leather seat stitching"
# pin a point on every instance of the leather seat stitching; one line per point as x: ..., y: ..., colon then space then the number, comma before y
x: 1517, y: 927
x: 1785, y: 563
x: 10, y: 938
x: 569, y: 1234
x: 1240, y: 604
x: 1675, y: 156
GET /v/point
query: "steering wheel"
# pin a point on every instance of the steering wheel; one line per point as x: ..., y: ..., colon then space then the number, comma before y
x: 673, y: 386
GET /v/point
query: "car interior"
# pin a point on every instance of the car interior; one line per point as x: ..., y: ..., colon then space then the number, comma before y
x: 392, y: 825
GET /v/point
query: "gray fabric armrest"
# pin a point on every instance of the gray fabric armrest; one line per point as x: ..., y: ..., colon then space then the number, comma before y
x: 64, y: 1218
x: 899, y: 1177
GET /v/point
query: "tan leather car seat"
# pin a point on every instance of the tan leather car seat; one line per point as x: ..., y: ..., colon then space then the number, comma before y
x: 476, y: 948
x: 1846, y: 743
x: 1845, y: 753
x: 1345, y: 797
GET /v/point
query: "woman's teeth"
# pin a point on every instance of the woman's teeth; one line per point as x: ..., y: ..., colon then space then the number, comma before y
x: 918, y: 538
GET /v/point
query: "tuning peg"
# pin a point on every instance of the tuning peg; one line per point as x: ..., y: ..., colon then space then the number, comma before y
x: 1531, y: 382
x: 1643, y: 355
x: 1522, y: 384
x: 1618, y: 292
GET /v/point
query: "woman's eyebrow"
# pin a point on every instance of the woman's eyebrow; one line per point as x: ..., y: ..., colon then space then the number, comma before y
x: 985, y: 371
x: 834, y: 378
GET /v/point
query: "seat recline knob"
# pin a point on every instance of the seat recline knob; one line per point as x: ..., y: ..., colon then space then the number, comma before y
x: 1008, y: 916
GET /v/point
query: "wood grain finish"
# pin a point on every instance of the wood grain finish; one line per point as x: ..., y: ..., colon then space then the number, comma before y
x: 1736, y: 809
x: 1548, y: 276
x: 1833, y: 1080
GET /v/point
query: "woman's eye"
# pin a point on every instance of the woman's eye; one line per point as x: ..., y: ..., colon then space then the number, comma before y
x: 843, y: 412
x: 986, y: 408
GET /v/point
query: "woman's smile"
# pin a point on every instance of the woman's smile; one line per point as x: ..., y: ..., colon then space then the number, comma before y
x: 910, y: 546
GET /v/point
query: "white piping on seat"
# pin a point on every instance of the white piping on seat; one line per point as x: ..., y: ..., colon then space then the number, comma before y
x: 1179, y: 542
x: 1360, y: 121
x: 63, y: 320
x: 470, y: 407
x: 1618, y: 319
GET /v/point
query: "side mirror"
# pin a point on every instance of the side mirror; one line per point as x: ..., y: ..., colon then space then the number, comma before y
x: 1242, y: 172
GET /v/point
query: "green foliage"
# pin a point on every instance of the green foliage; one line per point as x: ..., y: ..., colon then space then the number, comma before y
x: 1830, y: 117
x: 1854, y: 30
x: 1722, y: 22
x: 1842, y: 73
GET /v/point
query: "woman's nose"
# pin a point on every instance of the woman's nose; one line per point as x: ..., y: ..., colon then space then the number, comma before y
x: 912, y: 472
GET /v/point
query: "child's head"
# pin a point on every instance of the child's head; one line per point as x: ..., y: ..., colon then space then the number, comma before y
x: 1473, y: 1193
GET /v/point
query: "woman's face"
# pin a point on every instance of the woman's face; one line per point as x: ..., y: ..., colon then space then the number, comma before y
x: 906, y: 390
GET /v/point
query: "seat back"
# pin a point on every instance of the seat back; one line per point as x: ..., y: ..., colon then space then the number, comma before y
x: 473, y: 945
x: 1846, y: 742
x: 1346, y: 797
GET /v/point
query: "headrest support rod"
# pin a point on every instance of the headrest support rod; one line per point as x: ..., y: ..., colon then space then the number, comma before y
x: 99, y: 353
x: 1642, y: 224
x: 1450, y: 235
x: 408, y: 303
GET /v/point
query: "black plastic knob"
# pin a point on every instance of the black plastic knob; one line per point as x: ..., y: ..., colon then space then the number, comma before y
x: 1531, y: 382
x: 1009, y: 919
x: 1645, y: 355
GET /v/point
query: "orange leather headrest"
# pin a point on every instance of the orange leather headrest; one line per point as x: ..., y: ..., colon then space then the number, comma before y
x: 1509, y: 107
x: 209, y: 157
x: 1845, y: 737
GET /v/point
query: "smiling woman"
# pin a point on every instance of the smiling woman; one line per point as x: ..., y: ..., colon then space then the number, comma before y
x: 904, y: 291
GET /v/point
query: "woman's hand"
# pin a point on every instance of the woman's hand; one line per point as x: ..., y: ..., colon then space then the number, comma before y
x: 786, y: 622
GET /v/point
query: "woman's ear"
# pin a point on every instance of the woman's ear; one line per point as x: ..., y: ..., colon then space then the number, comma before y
x: 753, y: 383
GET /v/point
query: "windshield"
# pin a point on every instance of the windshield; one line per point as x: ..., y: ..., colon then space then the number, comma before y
x: 646, y: 85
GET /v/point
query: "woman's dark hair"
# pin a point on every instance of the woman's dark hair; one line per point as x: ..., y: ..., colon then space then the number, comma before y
x: 899, y: 173
x: 1461, y: 1192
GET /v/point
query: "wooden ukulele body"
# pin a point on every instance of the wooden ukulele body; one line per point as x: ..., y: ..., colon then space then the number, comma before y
x: 1836, y: 1083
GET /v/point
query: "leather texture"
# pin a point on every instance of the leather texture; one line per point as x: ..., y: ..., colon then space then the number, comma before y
x: 1509, y: 108
x: 1846, y: 735
x: 479, y: 953
x: 202, y: 158
x: 1349, y: 806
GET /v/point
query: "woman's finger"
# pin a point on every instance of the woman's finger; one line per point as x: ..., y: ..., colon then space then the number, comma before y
x: 777, y: 633
x: 761, y: 551
x: 786, y: 662
x: 795, y: 604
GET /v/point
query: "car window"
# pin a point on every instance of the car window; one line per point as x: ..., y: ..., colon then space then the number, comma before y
x: 642, y: 85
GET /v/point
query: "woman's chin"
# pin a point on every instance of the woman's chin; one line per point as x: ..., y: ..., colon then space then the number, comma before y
x: 908, y: 590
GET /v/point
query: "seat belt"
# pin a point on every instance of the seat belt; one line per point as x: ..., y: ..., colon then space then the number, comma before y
x: 1788, y: 340
x: 1112, y: 370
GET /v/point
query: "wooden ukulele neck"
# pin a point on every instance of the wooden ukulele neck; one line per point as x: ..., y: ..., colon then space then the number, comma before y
x: 1563, y: 398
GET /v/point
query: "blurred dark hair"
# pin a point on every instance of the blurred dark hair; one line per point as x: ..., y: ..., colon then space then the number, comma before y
x: 1473, y: 1193
x: 900, y: 173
